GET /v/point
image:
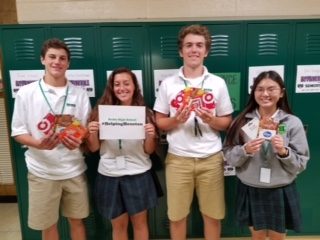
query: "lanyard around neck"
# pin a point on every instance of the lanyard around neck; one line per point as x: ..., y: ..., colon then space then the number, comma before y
x: 45, y: 97
x: 186, y: 84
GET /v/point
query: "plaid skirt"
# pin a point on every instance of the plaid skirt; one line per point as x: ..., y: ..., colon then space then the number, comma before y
x: 131, y: 194
x: 276, y: 209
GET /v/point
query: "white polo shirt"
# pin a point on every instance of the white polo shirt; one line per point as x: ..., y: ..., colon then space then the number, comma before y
x: 182, y: 140
x: 29, y: 108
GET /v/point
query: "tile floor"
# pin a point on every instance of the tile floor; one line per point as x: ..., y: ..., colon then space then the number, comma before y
x: 10, y: 227
x: 9, y: 222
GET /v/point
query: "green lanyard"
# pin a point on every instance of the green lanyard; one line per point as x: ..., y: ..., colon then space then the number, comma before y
x: 45, y: 97
x: 202, y: 83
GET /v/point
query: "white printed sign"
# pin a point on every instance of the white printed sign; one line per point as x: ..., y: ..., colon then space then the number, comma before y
x: 122, y: 122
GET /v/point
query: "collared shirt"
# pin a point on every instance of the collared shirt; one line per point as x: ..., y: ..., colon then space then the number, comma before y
x: 182, y: 140
x: 30, y: 108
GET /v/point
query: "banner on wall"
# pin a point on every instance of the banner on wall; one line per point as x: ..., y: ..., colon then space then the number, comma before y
x: 159, y: 75
x: 82, y: 78
x: 308, y: 79
x: 233, y: 84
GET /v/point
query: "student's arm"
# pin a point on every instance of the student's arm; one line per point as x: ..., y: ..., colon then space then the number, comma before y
x: 93, y: 142
x: 218, y: 123
x: 150, y: 140
x: 48, y: 142
x: 166, y: 123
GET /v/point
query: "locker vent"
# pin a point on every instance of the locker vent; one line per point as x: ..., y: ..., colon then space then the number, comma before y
x: 169, y: 47
x: 75, y: 45
x: 219, y: 45
x: 268, y: 44
x: 313, y: 44
x: 24, y: 49
x: 122, y: 47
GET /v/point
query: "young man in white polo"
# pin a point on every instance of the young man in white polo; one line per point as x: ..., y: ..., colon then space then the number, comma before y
x: 55, y: 163
x: 192, y: 107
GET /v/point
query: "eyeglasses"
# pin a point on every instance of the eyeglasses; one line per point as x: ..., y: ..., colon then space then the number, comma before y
x: 270, y: 90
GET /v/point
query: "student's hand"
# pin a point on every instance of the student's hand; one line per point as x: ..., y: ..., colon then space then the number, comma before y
x: 253, y: 146
x: 71, y: 142
x: 93, y: 127
x: 278, y: 143
x: 205, y: 114
x: 150, y: 130
x: 49, y: 141
x: 182, y: 114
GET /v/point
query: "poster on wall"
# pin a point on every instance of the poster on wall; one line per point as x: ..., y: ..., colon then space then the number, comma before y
x: 233, y: 83
x: 82, y: 78
x: 138, y: 74
x: 159, y: 75
x: 19, y: 78
x: 308, y: 79
x: 254, y: 71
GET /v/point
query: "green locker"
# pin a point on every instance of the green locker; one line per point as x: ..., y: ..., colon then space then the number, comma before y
x: 270, y: 44
x: 124, y: 46
x: 226, y: 48
x: 307, y: 52
x: 20, y: 47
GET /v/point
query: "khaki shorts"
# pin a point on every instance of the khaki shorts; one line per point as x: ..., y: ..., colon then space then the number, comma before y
x: 46, y: 195
x: 205, y: 176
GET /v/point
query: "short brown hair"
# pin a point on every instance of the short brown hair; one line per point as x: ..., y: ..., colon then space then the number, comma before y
x: 195, y: 29
x: 56, y: 44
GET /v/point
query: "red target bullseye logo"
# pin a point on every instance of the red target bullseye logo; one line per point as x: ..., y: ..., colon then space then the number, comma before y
x: 46, y: 123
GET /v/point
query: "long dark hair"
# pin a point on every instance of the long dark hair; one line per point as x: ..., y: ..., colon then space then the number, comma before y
x: 282, y: 104
x: 109, y: 98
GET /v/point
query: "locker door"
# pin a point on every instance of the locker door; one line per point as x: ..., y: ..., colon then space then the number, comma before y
x: 226, y: 48
x: 307, y: 52
x: 270, y: 44
x: 21, y: 51
x: 125, y: 46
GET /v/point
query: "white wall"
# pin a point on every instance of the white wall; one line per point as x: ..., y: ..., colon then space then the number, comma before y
x: 55, y: 11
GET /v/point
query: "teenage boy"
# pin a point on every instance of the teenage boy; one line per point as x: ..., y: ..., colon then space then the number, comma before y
x: 192, y: 107
x: 56, y: 179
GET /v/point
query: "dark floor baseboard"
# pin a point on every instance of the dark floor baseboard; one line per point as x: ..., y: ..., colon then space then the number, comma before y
x: 8, y: 199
